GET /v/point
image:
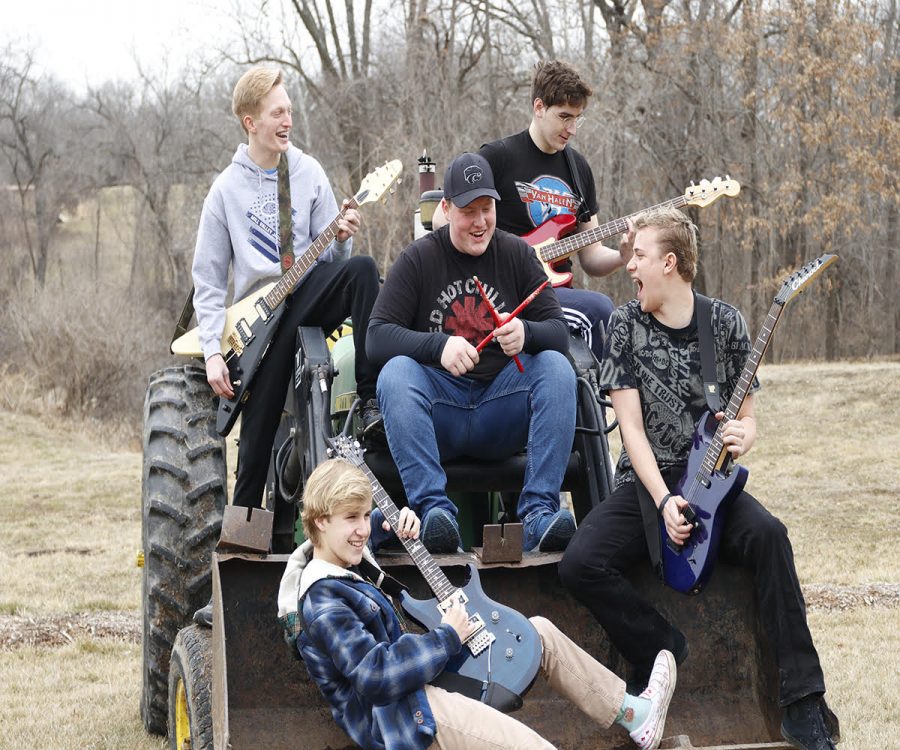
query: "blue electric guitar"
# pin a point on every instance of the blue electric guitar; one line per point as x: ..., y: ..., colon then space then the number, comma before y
x: 502, y: 654
x: 710, y: 483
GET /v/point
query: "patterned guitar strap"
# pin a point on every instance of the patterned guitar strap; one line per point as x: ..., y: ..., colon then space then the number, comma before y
x: 285, y: 223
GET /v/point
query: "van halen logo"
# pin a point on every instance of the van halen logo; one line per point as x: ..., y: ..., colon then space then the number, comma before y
x: 546, y: 197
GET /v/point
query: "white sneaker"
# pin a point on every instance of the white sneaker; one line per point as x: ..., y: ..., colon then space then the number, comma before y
x: 659, y: 692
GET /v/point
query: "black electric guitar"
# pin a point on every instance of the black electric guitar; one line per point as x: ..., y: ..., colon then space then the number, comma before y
x: 709, y: 484
x: 502, y: 654
x: 251, y: 323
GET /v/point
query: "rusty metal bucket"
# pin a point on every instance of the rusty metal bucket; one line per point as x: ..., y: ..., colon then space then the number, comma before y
x: 262, y: 696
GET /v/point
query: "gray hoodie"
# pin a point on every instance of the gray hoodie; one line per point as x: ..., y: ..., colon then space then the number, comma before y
x: 239, y: 227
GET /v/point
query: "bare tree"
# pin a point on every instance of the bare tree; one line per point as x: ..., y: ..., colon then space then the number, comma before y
x: 33, y: 110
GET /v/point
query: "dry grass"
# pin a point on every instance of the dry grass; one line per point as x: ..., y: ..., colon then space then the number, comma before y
x: 826, y: 462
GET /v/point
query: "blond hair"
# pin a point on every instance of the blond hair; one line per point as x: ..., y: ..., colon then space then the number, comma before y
x: 676, y: 234
x: 334, y: 486
x: 251, y: 89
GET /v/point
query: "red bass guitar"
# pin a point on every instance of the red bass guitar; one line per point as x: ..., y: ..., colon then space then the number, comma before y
x: 553, y: 240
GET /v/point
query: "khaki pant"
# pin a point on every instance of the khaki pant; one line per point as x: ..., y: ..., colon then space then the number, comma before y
x: 464, y: 723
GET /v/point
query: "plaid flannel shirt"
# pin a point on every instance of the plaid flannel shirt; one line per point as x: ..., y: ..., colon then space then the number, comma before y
x: 371, y: 673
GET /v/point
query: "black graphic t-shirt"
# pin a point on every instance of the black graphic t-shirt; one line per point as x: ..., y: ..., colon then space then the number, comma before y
x: 535, y: 186
x: 664, y: 365
x: 429, y: 296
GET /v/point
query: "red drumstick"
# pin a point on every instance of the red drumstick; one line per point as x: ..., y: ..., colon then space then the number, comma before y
x: 525, y: 302
x: 495, y: 316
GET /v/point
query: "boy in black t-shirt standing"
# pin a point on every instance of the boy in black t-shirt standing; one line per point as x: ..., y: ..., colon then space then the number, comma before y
x: 651, y: 367
x: 535, y: 179
x: 440, y: 397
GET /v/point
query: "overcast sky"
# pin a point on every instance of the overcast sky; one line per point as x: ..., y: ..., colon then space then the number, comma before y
x: 91, y: 41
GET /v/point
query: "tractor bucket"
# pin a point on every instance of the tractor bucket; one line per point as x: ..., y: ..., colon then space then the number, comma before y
x: 263, y: 697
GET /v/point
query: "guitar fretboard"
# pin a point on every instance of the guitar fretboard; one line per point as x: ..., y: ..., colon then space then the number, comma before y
x: 716, y: 446
x: 289, y: 279
x: 434, y: 576
x: 574, y: 242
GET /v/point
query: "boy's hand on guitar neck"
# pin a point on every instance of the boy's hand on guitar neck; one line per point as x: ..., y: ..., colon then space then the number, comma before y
x: 458, y: 619
x: 735, y: 435
x: 348, y: 224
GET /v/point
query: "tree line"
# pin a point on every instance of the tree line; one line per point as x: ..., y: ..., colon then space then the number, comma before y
x: 798, y: 100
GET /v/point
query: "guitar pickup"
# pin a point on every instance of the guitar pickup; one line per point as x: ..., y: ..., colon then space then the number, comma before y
x: 457, y: 597
x: 244, y: 331
x: 262, y: 309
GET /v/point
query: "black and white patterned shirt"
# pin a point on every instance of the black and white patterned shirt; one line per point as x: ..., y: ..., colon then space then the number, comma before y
x: 664, y: 365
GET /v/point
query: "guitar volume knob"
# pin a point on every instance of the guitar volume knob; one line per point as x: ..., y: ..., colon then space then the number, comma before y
x: 509, y: 654
x: 495, y: 616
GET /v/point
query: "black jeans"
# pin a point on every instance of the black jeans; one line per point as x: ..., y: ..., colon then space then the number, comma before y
x: 611, y: 539
x: 331, y: 293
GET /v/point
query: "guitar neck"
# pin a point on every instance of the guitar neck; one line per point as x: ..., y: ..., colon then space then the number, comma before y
x: 434, y: 576
x: 566, y: 246
x: 716, y: 447
x: 290, y: 278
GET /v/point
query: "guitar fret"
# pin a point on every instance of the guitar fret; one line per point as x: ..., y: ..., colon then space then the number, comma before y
x: 289, y: 280
x: 431, y: 572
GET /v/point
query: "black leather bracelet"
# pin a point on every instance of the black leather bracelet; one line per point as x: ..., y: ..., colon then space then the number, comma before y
x: 663, y: 502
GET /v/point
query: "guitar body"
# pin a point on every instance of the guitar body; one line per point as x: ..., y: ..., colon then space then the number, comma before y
x: 689, y: 569
x: 189, y: 343
x: 550, y: 231
x: 502, y: 672
x: 246, y: 337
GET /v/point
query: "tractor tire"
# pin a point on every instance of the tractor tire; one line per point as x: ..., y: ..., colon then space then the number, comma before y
x: 190, y: 686
x: 183, y: 493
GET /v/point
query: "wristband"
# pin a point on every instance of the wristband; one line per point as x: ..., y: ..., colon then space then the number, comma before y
x: 663, y: 502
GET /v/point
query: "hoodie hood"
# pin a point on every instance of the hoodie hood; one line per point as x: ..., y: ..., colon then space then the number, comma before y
x: 302, y: 571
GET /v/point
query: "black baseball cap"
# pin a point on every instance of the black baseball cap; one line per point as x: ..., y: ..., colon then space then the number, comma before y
x: 468, y: 177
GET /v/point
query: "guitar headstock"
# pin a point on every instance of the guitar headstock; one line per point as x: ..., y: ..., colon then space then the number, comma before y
x: 708, y: 191
x: 800, y: 279
x: 378, y: 182
x: 342, y: 446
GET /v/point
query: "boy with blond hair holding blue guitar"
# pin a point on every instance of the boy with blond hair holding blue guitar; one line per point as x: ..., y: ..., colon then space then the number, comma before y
x: 378, y: 679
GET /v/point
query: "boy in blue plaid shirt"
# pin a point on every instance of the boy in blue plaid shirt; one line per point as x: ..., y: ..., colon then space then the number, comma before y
x: 376, y: 677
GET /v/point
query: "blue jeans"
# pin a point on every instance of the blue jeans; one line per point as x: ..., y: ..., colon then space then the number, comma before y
x: 430, y: 416
x: 587, y: 314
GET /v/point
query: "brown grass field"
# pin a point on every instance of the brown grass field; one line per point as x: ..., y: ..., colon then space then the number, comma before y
x: 826, y: 462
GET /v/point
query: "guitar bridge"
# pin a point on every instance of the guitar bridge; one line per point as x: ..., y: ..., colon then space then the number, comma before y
x: 480, y: 637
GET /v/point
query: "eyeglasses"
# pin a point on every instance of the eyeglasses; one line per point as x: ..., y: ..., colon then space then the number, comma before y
x: 569, y: 120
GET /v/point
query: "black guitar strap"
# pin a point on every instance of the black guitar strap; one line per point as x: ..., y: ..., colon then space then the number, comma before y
x: 649, y: 513
x: 583, y: 214
x: 285, y: 240
x: 187, y: 313
x: 707, y: 353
